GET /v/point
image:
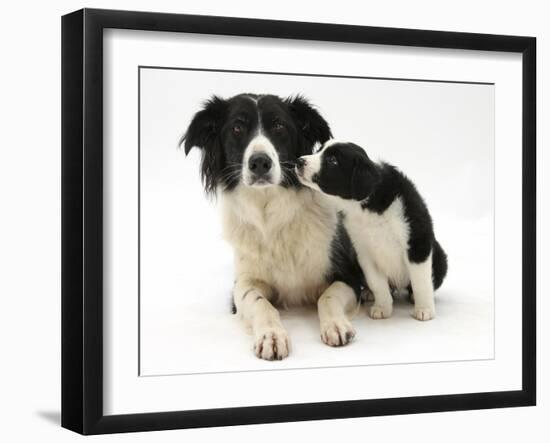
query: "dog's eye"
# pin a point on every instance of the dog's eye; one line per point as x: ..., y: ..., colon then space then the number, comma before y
x: 278, y: 126
x: 237, y: 129
x: 332, y: 160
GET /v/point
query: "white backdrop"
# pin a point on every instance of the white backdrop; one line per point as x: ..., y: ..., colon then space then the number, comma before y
x: 124, y: 51
x: 30, y: 232
x: 441, y: 134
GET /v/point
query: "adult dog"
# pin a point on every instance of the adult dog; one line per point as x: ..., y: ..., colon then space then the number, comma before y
x: 290, y: 245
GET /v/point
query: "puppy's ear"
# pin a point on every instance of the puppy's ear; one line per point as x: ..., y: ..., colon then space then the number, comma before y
x: 364, y: 178
x: 204, y: 133
x: 312, y: 126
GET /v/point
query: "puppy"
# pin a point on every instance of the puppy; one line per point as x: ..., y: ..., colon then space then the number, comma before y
x: 289, y: 243
x: 388, y: 222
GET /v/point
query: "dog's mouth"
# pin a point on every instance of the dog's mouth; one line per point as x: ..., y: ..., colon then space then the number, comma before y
x: 261, y: 182
x: 310, y: 181
x: 262, y: 179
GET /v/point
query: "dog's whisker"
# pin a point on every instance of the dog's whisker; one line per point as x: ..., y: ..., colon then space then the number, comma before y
x: 229, y: 177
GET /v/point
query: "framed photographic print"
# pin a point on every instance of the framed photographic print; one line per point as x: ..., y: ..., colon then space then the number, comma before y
x: 269, y: 221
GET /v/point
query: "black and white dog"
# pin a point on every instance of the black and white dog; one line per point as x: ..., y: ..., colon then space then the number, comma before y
x: 388, y: 223
x: 289, y: 242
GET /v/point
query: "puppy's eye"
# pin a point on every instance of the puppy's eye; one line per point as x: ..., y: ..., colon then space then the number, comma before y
x: 332, y: 160
x: 237, y: 129
x: 278, y: 126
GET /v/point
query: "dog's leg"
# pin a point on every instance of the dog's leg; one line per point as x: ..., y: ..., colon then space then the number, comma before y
x: 333, y: 305
x: 378, y: 283
x: 251, y: 299
x: 367, y: 294
x: 423, y: 290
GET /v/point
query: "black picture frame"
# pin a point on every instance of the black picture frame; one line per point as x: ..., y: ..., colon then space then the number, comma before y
x: 82, y: 220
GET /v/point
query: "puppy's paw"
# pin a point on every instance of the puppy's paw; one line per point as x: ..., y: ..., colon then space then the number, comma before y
x: 378, y: 312
x: 424, y: 313
x: 272, y: 344
x: 337, y: 332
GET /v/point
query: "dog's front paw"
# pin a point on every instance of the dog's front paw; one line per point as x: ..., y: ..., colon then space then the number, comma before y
x: 380, y: 311
x: 272, y: 344
x: 424, y: 313
x: 337, y: 332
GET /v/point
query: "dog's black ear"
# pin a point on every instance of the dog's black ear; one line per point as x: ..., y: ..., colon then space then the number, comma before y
x: 205, y: 124
x: 204, y: 132
x: 313, y: 127
x: 364, y: 178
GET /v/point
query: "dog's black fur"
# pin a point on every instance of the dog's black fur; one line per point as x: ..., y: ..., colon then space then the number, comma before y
x: 347, y: 172
x: 223, y: 129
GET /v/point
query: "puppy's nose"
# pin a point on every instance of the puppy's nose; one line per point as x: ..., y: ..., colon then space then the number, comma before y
x: 300, y: 163
x: 259, y: 164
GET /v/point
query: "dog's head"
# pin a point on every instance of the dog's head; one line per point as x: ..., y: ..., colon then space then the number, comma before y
x: 340, y: 169
x: 254, y: 139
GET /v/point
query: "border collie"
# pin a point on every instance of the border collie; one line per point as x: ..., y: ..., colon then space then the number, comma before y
x: 290, y: 246
x: 388, y: 222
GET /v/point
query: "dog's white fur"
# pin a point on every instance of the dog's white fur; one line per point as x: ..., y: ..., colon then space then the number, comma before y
x: 334, y: 306
x: 261, y: 144
x: 282, y: 239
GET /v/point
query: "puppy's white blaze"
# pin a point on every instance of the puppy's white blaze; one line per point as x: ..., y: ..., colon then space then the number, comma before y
x: 329, y: 143
x: 318, y: 147
x: 261, y: 144
x: 311, y: 167
x: 313, y: 164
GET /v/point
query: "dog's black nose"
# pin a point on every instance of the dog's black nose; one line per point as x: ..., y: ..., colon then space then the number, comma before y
x: 300, y: 163
x: 259, y: 164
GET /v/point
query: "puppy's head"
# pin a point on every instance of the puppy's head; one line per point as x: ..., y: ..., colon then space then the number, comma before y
x: 340, y: 169
x: 254, y: 139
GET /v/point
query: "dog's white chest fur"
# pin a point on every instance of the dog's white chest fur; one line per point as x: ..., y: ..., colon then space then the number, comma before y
x: 281, y: 237
x: 383, y: 237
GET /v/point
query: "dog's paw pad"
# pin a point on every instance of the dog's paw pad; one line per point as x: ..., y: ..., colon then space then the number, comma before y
x: 424, y: 314
x: 380, y: 311
x: 272, y: 344
x: 337, y: 333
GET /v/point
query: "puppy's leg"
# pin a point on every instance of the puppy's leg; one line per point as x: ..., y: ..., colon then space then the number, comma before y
x: 378, y: 283
x: 422, y: 288
x: 333, y: 306
x: 251, y: 299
